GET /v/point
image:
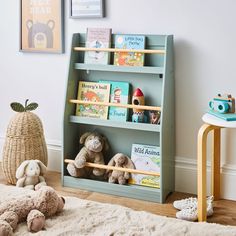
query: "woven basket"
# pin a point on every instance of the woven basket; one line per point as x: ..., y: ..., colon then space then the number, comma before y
x: 24, y: 141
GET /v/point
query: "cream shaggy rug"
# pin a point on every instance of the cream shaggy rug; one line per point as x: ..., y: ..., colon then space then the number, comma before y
x: 82, y: 217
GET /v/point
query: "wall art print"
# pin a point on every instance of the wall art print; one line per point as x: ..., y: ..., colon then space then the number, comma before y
x: 41, y: 26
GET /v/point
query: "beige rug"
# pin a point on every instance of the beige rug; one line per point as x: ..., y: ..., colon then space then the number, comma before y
x: 82, y: 217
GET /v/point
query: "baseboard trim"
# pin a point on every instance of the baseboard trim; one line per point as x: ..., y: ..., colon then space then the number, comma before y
x: 186, y: 177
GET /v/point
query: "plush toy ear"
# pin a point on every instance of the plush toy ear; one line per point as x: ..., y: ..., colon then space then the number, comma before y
x: 129, y: 163
x: 43, y: 168
x: 106, y: 145
x: 83, y: 137
x: 21, y: 169
x: 111, y: 163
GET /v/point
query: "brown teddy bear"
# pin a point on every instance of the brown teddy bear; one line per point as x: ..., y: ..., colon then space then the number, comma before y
x: 94, y: 146
x: 32, y: 207
x: 119, y: 160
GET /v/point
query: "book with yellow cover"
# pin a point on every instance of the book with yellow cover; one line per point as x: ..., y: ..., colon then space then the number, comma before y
x: 94, y: 92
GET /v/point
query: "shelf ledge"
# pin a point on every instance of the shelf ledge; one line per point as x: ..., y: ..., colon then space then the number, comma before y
x: 147, y: 51
x: 106, y: 167
x: 115, y: 124
x: 124, y: 69
x: 138, y: 107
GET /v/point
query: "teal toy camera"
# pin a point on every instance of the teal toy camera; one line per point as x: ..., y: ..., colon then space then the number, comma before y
x: 223, y: 104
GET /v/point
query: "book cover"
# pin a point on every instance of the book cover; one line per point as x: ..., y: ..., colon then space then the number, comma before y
x: 129, y: 58
x: 146, y: 157
x: 97, y: 38
x: 95, y: 92
x: 119, y: 94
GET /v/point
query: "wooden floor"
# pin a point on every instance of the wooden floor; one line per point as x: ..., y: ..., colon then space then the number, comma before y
x: 224, y: 210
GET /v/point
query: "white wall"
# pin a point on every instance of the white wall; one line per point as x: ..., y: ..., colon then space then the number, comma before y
x: 205, y: 65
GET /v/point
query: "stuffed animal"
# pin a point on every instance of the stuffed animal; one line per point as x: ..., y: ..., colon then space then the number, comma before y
x: 94, y: 146
x: 33, y: 208
x: 30, y: 174
x: 119, y: 160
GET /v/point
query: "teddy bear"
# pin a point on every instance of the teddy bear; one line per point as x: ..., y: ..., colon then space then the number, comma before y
x: 30, y: 174
x: 119, y: 160
x: 92, y: 151
x: 33, y: 208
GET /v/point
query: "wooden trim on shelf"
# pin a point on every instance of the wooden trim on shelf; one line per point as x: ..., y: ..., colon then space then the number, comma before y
x: 140, y: 107
x: 152, y: 51
x: 106, y: 167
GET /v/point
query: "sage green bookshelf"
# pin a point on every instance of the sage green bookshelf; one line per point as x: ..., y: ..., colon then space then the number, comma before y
x: 156, y: 79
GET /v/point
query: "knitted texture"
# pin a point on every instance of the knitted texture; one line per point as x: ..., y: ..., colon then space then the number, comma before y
x: 24, y: 141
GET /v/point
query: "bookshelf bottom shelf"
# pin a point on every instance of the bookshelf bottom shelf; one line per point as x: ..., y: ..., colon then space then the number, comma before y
x: 131, y: 191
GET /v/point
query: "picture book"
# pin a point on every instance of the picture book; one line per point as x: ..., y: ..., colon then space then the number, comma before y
x: 97, y: 38
x: 119, y: 94
x: 129, y: 58
x: 95, y: 92
x: 146, y: 157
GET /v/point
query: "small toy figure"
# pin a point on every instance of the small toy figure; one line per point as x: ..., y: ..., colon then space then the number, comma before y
x: 116, y: 176
x: 138, y: 114
x: 30, y: 174
x: 223, y: 104
x: 93, y: 150
x: 154, y: 117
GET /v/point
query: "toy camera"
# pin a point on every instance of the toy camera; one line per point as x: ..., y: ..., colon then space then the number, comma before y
x: 223, y: 104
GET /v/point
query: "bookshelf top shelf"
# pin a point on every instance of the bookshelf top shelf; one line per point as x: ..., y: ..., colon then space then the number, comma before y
x: 147, y: 51
x: 125, y: 69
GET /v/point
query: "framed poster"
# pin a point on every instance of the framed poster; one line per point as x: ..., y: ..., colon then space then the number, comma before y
x: 41, y: 26
x: 86, y: 8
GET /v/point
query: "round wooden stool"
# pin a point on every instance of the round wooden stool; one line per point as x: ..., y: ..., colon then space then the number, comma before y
x: 211, y: 123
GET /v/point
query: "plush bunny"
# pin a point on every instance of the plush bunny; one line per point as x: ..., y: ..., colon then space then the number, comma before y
x: 30, y: 174
x: 94, y: 146
x: 32, y: 207
x: 119, y: 160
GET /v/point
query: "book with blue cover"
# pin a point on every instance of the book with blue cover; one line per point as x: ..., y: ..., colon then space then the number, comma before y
x: 129, y: 42
x: 119, y: 93
x: 223, y: 116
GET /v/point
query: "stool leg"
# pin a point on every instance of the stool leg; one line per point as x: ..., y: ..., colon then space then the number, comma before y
x: 215, y: 165
x: 202, y: 144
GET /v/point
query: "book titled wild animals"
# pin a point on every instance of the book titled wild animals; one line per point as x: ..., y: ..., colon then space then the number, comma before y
x: 146, y: 157
x: 129, y: 58
x: 119, y: 94
x: 94, y: 92
x: 97, y: 38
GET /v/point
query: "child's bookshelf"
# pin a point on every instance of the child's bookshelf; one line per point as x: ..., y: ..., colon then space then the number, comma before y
x: 156, y: 79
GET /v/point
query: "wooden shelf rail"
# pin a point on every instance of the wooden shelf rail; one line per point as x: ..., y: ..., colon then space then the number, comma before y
x: 150, y: 108
x: 99, y: 166
x: 153, y: 51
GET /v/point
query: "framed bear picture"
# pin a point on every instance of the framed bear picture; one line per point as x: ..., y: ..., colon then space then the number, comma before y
x: 42, y: 26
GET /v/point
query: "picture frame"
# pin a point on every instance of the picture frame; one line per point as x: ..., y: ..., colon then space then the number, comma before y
x: 42, y: 26
x: 87, y: 9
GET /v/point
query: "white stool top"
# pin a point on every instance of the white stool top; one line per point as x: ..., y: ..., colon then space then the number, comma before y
x: 213, y: 120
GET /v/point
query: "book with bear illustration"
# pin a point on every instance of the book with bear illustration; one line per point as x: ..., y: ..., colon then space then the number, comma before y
x: 129, y: 58
x: 119, y: 94
x: 94, y: 92
x: 97, y: 38
x: 146, y: 157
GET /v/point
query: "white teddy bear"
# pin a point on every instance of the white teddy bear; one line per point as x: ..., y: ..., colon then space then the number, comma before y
x: 30, y: 174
